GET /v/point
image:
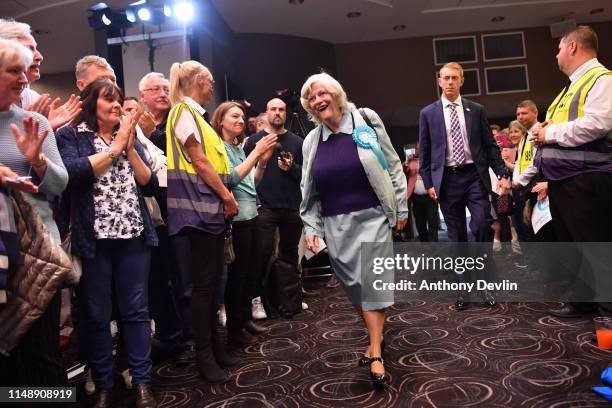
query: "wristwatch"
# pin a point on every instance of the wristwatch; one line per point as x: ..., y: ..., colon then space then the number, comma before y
x: 40, y: 161
x: 111, y: 154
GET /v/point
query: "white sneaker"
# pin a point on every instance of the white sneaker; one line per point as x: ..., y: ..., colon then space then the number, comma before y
x: 89, y: 386
x: 497, y: 246
x: 516, y: 248
x: 257, y: 310
x: 304, y: 306
x: 222, y: 317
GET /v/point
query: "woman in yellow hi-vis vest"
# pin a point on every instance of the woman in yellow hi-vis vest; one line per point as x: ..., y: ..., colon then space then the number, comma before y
x: 199, y: 201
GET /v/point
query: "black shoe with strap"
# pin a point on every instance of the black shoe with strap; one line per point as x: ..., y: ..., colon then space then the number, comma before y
x: 378, y: 379
x: 365, y: 360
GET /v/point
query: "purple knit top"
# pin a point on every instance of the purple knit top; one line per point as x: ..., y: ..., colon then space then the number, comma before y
x: 339, y: 177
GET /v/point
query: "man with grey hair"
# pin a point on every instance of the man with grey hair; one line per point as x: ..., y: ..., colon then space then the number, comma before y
x: 31, y: 100
x: 91, y: 68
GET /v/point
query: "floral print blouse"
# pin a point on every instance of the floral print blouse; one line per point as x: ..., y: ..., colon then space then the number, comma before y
x: 115, y: 194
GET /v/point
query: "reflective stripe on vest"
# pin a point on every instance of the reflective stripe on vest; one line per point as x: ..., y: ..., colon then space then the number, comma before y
x: 564, y: 162
x: 191, y: 202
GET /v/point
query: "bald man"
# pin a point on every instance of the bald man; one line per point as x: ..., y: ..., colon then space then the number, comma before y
x: 279, y: 189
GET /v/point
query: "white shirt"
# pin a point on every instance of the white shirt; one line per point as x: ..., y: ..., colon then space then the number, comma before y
x: 28, y: 97
x: 597, y: 119
x: 186, y: 124
x: 156, y: 156
x: 530, y: 171
x: 447, y: 121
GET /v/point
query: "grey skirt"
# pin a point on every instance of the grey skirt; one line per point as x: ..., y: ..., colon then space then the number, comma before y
x: 344, y: 234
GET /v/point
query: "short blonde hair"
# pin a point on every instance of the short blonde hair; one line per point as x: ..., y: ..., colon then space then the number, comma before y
x: 84, y: 63
x: 182, y: 75
x: 13, y: 50
x: 332, y: 86
x: 453, y: 65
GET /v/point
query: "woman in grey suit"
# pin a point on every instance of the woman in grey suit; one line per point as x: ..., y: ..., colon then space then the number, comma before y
x: 354, y: 191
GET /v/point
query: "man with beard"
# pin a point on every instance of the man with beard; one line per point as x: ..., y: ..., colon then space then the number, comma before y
x: 279, y: 189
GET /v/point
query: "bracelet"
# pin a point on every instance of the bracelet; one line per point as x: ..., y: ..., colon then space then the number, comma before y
x: 41, y: 160
x: 111, y: 154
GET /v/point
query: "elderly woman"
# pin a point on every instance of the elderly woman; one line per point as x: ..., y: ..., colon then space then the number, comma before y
x: 28, y: 148
x: 112, y: 232
x: 353, y: 191
x: 228, y: 121
x: 199, y: 201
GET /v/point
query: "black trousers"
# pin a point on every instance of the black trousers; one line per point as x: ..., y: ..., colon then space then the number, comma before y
x: 580, y: 208
x: 426, y: 217
x: 207, y: 265
x: 162, y: 304
x: 290, y: 227
x: 37, y: 360
x: 243, y: 274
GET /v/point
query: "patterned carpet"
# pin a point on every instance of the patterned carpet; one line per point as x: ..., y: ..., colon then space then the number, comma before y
x: 514, y: 355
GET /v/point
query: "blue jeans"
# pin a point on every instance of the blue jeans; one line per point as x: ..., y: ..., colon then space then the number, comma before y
x: 123, y: 263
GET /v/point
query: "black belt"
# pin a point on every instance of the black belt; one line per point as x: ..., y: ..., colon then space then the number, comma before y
x: 462, y: 167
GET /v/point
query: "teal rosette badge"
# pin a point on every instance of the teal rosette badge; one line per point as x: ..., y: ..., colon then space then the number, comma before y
x: 366, y: 138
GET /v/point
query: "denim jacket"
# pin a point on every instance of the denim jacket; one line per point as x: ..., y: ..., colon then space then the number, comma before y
x: 75, y: 147
x: 388, y: 185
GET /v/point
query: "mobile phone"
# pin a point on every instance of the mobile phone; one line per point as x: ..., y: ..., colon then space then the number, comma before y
x: 18, y: 179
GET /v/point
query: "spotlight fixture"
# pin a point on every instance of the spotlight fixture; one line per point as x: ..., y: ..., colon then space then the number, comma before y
x: 183, y: 11
x: 399, y: 27
x: 129, y: 14
x: 105, y: 20
x: 167, y: 10
x: 597, y: 11
x: 353, y: 14
x: 98, y: 7
x: 498, y: 19
x: 144, y: 14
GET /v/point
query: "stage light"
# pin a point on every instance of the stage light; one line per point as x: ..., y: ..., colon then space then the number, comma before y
x: 167, y: 10
x: 129, y: 14
x: 144, y: 14
x: 106, y: 20
x: 98, y: 7
x: 183, y: 11
x: 138, y: 3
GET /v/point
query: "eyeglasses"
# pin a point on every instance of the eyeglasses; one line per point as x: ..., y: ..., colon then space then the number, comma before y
x: 212, y: 81
x: 158, y: 90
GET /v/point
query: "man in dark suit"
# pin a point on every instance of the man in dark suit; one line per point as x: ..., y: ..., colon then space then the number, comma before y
x: 456, y: 150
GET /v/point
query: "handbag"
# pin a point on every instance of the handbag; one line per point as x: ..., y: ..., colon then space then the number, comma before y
x: 154, y: 211
x: 76, y: 270
x: 504, y: 205
x: 230, y: 255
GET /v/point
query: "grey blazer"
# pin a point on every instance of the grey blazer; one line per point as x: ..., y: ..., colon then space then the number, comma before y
x: 389, y: 185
